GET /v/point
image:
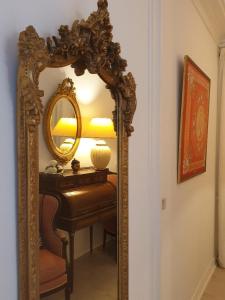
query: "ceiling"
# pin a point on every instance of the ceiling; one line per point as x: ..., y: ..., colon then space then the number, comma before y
x: 213, y: 15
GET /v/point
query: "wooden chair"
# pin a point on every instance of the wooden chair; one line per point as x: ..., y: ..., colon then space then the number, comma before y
x: 110, y: 228
x: 54, y: 268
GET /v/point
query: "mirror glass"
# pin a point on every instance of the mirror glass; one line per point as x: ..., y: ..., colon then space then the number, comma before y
x: 87, y: 214
x: 63, y: 124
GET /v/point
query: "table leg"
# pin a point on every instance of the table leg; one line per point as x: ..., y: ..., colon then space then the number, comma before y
x: 104, y: 238
x: 71, y: 236
x: 91, y: 239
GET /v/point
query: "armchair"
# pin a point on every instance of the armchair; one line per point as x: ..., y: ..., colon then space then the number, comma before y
x: 54, y: 269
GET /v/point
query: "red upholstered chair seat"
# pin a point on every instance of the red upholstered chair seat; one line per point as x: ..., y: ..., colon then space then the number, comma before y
x: 51, y: 266
x: 52, y: 271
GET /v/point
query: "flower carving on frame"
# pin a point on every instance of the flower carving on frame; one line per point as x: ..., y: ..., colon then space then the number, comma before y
x: 127, y: 88
x: 34, y: 57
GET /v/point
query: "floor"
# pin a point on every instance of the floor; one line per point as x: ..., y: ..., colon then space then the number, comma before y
x: 95, y: 277
x: 216, y: 287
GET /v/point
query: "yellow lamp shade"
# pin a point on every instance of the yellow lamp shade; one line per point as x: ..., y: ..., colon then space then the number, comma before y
x: 98, y: 128
x: 65, y: 127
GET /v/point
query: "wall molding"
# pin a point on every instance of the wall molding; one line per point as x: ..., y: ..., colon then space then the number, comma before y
x: 205, y: 278
x: 154, y: 142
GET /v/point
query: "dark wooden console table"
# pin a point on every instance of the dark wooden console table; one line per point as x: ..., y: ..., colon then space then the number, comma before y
x: 86, y: 197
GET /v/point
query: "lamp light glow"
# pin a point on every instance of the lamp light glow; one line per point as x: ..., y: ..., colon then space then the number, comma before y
x: 84, y: 95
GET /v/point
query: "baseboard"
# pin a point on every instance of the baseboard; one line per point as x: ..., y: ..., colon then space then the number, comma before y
x: 204, y: 281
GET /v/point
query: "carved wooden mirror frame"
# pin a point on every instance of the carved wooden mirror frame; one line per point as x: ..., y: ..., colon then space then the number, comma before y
x: 87, y: 45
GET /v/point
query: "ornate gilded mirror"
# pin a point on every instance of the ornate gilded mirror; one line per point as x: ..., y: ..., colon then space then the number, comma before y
x: 86, y: 47
x: 62, y: 122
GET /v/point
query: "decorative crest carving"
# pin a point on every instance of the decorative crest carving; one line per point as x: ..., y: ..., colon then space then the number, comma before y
x: 66, y: 88
x: 88, y: 45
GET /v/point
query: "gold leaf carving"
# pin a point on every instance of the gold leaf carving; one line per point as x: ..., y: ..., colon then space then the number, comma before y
x: 127, y: 87
x: 88, y: 45
x: 66, y: 88
x: 34, y: 57
x: 31, y: 47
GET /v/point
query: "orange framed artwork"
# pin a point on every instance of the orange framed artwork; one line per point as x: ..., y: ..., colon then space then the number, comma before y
x: 193, y: 121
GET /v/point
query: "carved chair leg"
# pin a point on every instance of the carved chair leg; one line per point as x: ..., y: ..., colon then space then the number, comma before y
x: 71, y: 236
x: 104, y: 238
x: 67, y: 293
x: 91, y: 239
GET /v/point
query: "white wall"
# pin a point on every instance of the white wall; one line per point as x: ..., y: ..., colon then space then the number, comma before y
x: 187, y: 244
x: 130, y: 20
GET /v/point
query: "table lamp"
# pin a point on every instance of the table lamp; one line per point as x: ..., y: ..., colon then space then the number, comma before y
x: 99, y: 128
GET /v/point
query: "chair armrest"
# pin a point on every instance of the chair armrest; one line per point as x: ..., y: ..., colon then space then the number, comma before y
x: 62, y: 236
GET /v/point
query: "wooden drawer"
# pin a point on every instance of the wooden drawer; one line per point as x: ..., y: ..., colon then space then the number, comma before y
x: 68, y: 179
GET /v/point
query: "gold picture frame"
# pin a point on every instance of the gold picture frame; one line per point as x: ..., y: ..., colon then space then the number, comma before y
x: 87, y: 45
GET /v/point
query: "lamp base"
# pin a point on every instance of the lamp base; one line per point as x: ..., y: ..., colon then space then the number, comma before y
x: 100, y: 155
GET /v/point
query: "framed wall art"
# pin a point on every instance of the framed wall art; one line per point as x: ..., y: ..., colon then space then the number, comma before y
x: 193, y: 121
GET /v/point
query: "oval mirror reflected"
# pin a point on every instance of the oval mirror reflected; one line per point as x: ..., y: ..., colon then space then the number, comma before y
x: 62, y: 122
x: 63, y: 125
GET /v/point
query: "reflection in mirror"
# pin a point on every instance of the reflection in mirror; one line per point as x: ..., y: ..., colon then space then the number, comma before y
x: 85, y: 196
x: 63, y: 125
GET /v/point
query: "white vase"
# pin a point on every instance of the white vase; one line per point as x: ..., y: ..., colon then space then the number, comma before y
x: 100, y: 156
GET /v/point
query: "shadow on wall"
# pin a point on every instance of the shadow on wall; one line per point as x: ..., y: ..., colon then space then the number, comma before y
x: 180, y: 70
x: 11, y: 62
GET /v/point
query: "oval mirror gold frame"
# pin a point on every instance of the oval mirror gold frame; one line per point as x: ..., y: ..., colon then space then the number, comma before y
x: 87, y: 45
x: 65, y: 90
